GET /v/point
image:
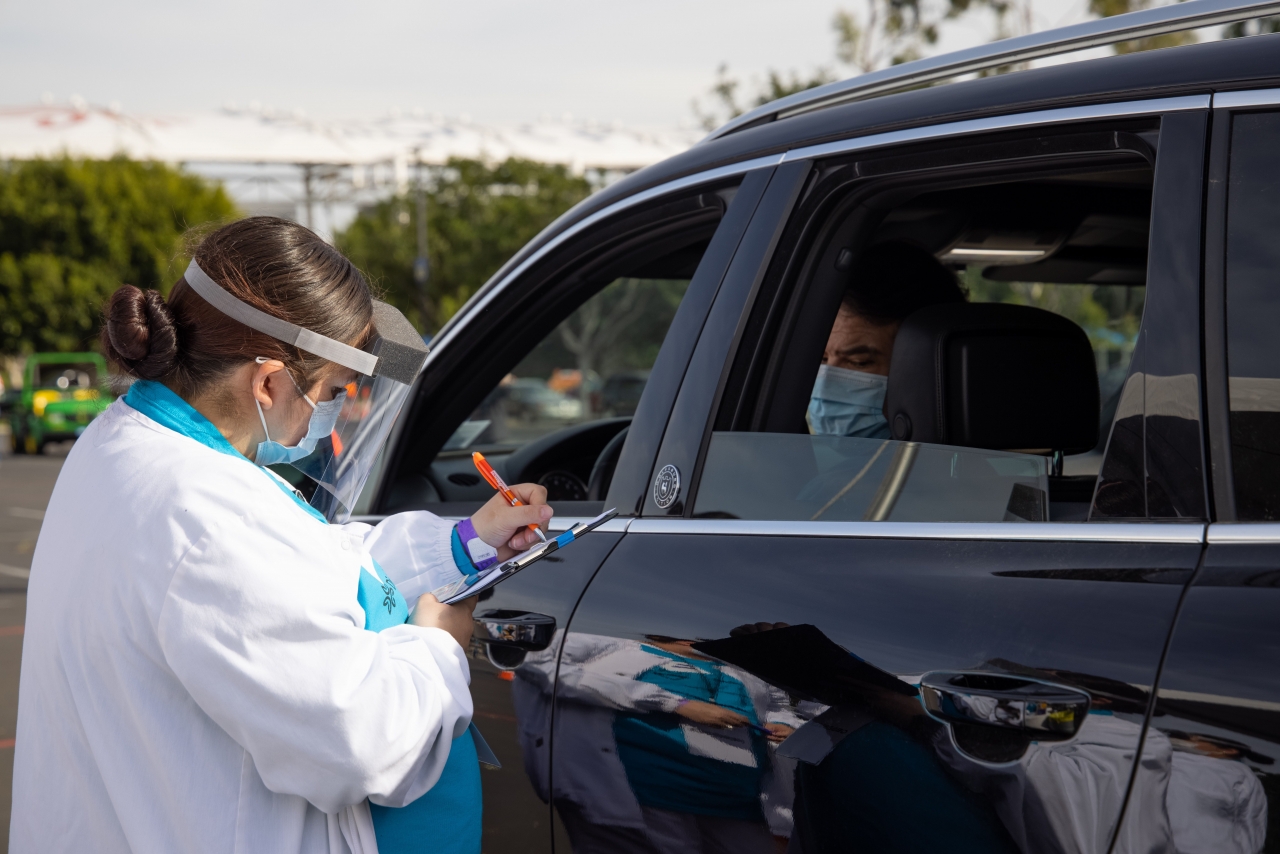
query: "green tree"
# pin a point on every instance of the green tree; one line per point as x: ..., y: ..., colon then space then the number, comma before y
x: 723, y: 96
x: 1255, y: 27
x: 72, y: 231
x: 890, y: 32
x: 1107, y: 8
x: 885, y: 32
x: 478, y: 216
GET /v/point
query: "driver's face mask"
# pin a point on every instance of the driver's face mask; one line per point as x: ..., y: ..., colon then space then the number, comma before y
x: 848, y: 403
x: 324, y: 416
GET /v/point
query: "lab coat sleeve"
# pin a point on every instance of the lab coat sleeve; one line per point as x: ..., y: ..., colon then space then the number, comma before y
x: 271, y: 646
x: 414, y: 551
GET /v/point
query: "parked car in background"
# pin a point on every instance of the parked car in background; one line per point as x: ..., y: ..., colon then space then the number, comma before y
x: 1036, y: 619
x: 531, y: 398
x: 61, y: 393
x: 621, y: 392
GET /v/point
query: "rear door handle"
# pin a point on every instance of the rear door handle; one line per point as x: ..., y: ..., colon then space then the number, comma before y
x: 1042, y: 711
x: 515, y: 629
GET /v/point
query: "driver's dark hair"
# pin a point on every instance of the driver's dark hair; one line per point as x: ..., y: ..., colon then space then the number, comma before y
x: 274, y: 265
x: 891, y: 280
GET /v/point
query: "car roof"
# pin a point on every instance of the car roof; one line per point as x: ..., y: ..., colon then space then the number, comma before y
x: 1231, y: 64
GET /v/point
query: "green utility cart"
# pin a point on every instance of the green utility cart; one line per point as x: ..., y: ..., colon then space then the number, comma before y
x: 61, y: 393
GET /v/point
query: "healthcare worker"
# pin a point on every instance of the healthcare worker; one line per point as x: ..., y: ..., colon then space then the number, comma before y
x: 888, y: 282
x: 208, y: 663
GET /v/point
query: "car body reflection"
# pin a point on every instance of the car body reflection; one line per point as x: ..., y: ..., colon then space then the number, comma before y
x: 737, y: 744
x: 658, y: 747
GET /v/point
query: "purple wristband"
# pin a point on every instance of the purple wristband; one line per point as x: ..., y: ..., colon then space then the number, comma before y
x: 481, y: 553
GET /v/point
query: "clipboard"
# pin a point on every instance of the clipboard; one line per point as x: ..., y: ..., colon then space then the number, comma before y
x: 465, y: 588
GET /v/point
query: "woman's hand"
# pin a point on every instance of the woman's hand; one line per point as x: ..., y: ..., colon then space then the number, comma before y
x: 710, y: 714
x: 505, y: 527
x: 455, y: 619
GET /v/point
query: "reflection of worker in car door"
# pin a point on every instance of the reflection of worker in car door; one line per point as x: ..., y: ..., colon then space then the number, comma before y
x: 882, y: 788
x: 888, y: 282
x: 699, y: 774
x: 602, y: 680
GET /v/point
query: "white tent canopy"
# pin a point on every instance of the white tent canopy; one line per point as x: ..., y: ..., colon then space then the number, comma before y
x: 262, y: 137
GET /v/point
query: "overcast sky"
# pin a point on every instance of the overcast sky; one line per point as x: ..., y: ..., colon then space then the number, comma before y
x: 499, y: 61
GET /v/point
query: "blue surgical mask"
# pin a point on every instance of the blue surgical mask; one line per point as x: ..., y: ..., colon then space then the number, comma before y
x: 848, y: 403
x: 324, y: 416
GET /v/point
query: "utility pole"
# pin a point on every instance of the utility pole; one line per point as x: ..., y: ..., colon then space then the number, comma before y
x: 308, y: 192
x: 421, y: 267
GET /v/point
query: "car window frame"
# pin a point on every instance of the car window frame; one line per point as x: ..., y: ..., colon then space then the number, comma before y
x: 1225, y: 106
x: 1063, y: 119
x: 482, y: 317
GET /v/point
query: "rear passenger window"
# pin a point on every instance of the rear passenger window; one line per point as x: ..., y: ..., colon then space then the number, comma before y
x: 1253, y: 313
x: 975, y: 342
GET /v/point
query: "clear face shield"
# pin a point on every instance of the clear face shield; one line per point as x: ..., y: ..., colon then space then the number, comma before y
x: 341, y: 463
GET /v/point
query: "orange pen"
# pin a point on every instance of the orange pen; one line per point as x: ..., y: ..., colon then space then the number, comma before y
x: 495, y: 480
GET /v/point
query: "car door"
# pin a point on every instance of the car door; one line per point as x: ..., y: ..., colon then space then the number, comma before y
x: 1216, y: 728
x: 526, y: 374
x: 814, y: 643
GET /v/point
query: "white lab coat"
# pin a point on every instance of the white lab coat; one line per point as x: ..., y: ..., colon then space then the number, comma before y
x: 1082, y: 784
x: 1216, y: 806
x: 196, y: 675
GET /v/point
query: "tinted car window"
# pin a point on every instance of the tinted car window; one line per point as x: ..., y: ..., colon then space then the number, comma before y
x: 1110, y: 315
x: 1253, y: 313
x: 1067, y: 257
x: 576, y: 388
x: 829, y: 478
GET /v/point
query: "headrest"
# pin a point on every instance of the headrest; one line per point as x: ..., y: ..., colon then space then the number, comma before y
x: 989, y: 375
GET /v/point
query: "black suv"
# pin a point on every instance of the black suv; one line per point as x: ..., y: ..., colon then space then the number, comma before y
x: 1042, y: 615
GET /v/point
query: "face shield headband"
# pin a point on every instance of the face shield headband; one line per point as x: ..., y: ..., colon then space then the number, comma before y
x: 341, y: 463
x: 397, y: 350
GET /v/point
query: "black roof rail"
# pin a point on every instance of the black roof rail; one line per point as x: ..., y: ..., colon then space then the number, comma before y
x: 1173, y: 18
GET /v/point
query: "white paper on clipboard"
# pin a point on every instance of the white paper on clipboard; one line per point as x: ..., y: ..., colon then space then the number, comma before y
x: 458, y: 590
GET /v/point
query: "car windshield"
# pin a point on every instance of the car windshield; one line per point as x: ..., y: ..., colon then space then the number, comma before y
x: 67, y: 376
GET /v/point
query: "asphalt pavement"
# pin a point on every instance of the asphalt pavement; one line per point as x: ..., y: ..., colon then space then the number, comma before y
x: 25, y: 486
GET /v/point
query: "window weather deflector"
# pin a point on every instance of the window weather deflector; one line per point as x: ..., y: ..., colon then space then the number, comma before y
x: 1058, y: 116
x: 1177, y: 17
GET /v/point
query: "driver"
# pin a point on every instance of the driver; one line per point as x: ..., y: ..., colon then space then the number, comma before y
x: 889, y: 282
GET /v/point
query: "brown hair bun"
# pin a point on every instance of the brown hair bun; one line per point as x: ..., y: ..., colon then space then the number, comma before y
x: 139, y: 334
x: 271, y: 264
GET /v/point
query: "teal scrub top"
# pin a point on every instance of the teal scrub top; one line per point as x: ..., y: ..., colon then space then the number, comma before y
x: 662, y: 771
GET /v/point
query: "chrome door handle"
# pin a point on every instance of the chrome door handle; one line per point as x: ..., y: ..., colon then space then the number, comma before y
x: 516, y: 629
x: 1042, y: 711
